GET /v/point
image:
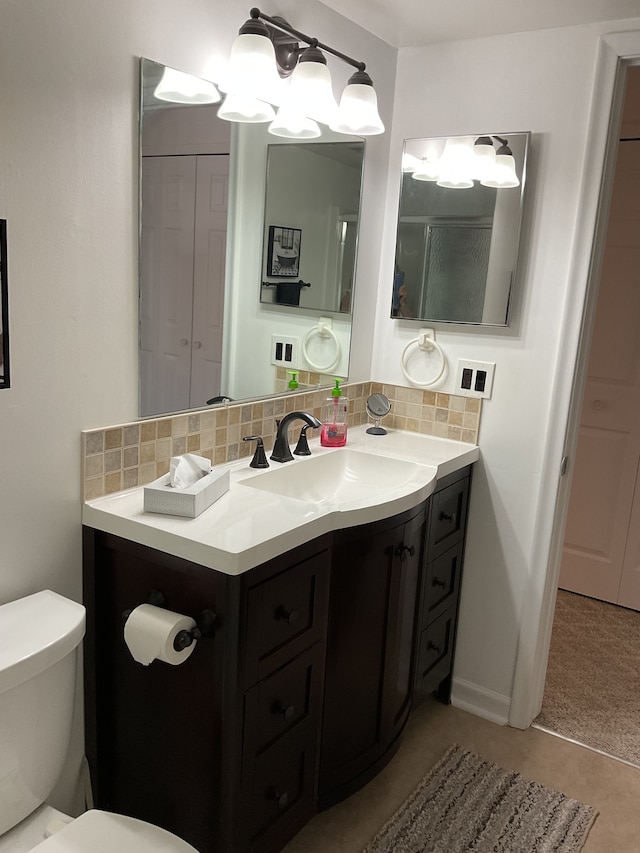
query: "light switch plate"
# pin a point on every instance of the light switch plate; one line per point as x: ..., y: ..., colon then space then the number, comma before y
x: 475, y: 378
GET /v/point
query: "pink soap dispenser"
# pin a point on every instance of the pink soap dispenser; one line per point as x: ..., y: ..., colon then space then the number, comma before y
x: 334, y: 419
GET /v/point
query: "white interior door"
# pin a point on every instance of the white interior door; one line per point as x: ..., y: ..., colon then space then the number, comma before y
x: 601, y: 556
x: 166, y: 272
x: 210, y: 243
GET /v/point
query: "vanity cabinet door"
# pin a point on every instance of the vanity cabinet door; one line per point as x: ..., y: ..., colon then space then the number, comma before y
x: 368, y: 681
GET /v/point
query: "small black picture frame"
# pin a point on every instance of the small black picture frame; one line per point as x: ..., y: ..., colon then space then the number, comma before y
x: 4, y: 308
x: 283, y: 252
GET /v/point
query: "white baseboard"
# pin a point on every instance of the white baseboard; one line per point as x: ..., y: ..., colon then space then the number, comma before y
x: 480, y: 701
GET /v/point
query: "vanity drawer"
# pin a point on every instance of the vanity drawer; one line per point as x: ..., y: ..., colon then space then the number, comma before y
x: 435, y: 653
x: 286, y: 614
x: 441, y: 584
x: 281, y: 702
x: 448, y: 517
x: 279, y: 794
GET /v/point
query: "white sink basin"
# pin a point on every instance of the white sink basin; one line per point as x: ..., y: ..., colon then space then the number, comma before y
x: 342, y: 476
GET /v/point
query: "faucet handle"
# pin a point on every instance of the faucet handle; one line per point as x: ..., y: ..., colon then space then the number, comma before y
x: 259, y: 458
x: 302, y: 447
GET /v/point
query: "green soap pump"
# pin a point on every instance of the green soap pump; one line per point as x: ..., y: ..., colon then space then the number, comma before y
x: 334, y: 418
x: 293, y: 382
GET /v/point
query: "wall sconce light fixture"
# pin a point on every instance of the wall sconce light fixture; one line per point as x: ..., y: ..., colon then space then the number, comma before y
x: 268, y: 66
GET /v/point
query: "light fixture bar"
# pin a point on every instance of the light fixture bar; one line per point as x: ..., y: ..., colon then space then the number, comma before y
x: 283, y: 26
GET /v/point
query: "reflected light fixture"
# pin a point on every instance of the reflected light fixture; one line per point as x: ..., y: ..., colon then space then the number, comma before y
x: 180, y: 88
x: 266, y: 52
x: 504, y: 173
x: 456, y: 164
x: 464, y: 161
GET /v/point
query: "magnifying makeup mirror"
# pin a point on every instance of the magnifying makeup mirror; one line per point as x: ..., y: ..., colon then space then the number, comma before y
x: 378, y: 407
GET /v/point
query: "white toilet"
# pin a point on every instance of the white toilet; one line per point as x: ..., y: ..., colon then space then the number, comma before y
x: 39, y: 637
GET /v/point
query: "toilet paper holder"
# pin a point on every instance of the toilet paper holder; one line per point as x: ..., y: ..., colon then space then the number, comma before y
x: 205, y: 622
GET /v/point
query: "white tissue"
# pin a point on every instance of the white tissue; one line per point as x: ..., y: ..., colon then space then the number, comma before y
x: 149, y: 633
x: 186, y: 470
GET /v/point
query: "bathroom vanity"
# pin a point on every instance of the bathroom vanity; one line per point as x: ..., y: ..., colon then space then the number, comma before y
x: 331, y: 618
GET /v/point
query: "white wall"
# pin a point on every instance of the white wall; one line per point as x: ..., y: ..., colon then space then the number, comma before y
x: 541, y: 82
x: 68, y: 188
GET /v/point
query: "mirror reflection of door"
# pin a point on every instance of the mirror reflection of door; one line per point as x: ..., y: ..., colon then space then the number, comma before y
x: 182, y: 263
x: 4, y: 308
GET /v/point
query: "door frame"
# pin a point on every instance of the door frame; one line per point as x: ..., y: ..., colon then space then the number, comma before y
x: 616, y: 52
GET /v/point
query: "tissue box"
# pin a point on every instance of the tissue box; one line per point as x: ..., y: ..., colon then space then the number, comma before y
x: 160, y: 496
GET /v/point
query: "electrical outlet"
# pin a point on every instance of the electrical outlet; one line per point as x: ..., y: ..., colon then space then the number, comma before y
x: 475, y: 378
x: 284, y: 351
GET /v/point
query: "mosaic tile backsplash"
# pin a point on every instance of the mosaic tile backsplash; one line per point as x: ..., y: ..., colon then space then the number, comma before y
x: 128, y: 455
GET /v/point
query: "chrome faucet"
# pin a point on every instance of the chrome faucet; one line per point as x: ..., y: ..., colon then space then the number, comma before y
x: 281, y: 449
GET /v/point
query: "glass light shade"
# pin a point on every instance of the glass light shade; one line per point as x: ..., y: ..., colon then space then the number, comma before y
x: 293, y: 125
x: 311, y: 93
x: 252, y: 70
x: 428, y: 170
x: 409, y: 162
x: 245, y: 109
x: 358, y: 112
x: 484, y: 157
x: 180, y: 88
x: 504, y: 174
x: 457, y: 164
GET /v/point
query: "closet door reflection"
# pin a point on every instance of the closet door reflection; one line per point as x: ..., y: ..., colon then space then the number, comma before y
x: 182, y: 272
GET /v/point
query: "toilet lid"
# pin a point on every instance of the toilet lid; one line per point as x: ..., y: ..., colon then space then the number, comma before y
x: 104, y: 832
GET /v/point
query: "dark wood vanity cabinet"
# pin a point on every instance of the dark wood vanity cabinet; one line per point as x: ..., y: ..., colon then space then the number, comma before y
x: 300, y: 695
x: 375, y: 572
x: 221, y: 749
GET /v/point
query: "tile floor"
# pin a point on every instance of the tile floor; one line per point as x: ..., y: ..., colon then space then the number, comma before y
x: 611, y: 787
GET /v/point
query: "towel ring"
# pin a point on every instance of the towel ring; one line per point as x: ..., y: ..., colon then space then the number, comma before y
x: 323, y: 330
x: 426, y: 343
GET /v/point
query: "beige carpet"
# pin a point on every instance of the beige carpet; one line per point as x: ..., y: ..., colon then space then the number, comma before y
x: 467, y: 803
x: 592, y: 691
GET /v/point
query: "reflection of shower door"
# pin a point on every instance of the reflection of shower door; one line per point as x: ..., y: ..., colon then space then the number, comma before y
x: 182, y: 280
x: 445, y: 269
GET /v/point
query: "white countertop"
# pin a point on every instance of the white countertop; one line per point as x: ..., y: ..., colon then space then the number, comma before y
x: 248, y: 526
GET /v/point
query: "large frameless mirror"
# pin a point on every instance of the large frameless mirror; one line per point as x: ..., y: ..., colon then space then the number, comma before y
x: 222, y: 237
x: 4, y: 312
x: 459, y: 228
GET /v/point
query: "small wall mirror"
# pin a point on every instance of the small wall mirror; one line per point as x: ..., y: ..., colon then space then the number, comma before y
x: 4, y: 312
x: 459, y: 228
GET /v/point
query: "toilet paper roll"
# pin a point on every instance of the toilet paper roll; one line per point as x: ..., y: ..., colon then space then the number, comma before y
x: 149, y: 633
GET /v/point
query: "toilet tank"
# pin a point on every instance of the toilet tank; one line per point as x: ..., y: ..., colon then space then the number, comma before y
x: 39, y: 636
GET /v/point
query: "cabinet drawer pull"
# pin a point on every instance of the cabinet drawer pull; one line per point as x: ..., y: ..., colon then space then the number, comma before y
x: 281, y: 799
x: 452, y: 517
x: 289, y: 616
x: 434, y: 647
x: 403, y: 551
x: 287, y: 711
x: 438, y: 582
